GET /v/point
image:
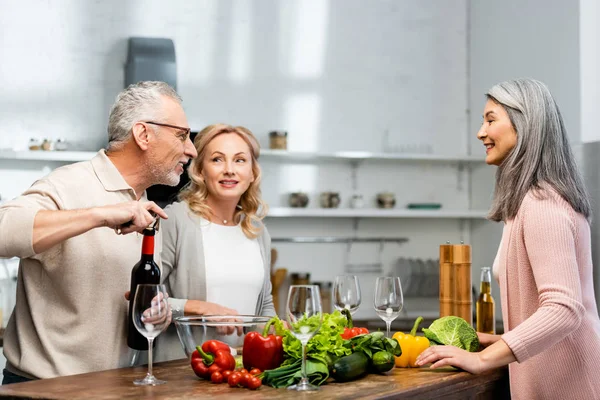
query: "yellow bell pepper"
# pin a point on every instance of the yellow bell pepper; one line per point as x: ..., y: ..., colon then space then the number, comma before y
x: 411, y: 346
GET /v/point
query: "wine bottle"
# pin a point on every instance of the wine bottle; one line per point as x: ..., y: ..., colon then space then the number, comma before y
x: 144, y: 271
x: 485, y: 310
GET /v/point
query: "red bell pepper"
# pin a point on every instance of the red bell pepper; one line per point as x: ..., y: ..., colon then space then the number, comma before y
x: 263, y: 351
x: 212, y: 346
x: 217, y: 358
x: 351, y: 331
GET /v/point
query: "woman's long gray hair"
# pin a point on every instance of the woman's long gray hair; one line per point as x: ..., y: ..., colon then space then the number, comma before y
x: 542, y: 155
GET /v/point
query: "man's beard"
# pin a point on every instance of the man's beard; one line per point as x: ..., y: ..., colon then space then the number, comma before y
x: 159, y: 174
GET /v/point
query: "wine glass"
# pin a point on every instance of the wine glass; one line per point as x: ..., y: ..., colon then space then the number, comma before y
x: 151, y: 315
x: 346, y: 293
x: 305, y: 317
x: 388, y: 300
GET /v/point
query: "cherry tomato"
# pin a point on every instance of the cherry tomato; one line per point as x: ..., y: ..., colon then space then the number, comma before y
x: 234, y: 379
x: 243, y: 371
x: 255, y: 371
x: 214, y: 368
x: 216, y: 377
x: 245, y: 378
x: 254, y: 383
x: 226, y: 374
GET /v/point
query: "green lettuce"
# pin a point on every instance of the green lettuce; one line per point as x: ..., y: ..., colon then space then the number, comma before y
x: 452, y: 331
x: 326, y: 343
x: 321, y: 349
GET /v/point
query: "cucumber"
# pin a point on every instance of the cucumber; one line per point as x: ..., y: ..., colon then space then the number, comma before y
x: 331, y: 359
x: 350, y: 367
x: 383, y: 361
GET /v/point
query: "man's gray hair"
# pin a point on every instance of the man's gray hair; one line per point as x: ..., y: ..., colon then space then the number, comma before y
x: 542, y: 155
x: 142, y: 101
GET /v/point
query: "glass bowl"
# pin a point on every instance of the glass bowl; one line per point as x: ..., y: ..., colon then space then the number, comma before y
x: 230, y: 329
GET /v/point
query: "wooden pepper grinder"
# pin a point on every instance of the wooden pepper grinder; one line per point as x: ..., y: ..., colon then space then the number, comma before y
x: 277, y: 279
x: 447, y: 281
x: 461, y: 264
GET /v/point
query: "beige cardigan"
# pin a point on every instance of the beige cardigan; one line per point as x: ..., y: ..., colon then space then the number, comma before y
x: 548, y: 305
x: 183, y: 271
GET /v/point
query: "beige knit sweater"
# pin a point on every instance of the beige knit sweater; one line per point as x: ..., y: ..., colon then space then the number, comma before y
x: 548, y: 305
x: 70, y: 316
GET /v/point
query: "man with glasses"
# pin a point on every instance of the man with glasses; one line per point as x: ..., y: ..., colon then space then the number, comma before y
x: 71, y: 230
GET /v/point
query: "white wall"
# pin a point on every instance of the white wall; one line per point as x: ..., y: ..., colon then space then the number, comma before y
x: 590, y: 65
x: 323, y: 70
x: 337, y: 75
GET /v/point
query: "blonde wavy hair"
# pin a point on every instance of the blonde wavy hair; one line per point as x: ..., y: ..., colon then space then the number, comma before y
x: 251, y: 208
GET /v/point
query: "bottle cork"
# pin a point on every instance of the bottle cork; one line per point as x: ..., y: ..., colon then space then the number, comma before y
x: 461, y: 264
x: 447, y: 281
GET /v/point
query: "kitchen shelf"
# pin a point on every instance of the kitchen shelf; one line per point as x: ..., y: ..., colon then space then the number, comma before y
x: 374, y: 213
x: 334, y: 239
x: 41, y: 155
x: 364, y: 155
x: 266, y: 154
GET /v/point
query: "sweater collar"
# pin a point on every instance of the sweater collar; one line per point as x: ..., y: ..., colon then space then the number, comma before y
x: 108, y: 174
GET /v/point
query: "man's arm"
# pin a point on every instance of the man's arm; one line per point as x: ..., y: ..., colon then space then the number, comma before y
x: 53, y: 227
x: 31, y: 224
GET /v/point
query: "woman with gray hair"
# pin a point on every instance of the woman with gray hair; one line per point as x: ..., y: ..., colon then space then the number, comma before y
x: 544, y: 263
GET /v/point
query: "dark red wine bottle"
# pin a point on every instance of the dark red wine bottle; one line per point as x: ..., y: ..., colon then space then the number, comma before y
x: 144, y: 271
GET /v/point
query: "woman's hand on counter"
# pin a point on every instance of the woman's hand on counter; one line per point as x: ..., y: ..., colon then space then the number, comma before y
x: 443, y: 356
x: 495, y: 355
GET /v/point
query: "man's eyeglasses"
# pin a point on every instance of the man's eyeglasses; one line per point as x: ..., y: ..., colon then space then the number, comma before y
x: 183, y: 137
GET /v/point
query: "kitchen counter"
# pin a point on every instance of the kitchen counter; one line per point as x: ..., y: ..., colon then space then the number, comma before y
x: 401, y: 383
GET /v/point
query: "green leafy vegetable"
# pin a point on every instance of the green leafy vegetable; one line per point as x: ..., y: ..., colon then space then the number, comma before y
x: 325, y: 344
x: 453, y: 331
x: 287, y: 375
x: 374, y: 342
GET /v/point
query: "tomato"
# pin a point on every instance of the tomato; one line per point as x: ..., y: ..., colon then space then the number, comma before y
x: 226, y: 374
x: 255, y: 371
x: 216, y: 377
x: 243, y: 371
x: 254, y: 383
x: 213, y: 368
x: 245, y: 378
x: 234, y: 379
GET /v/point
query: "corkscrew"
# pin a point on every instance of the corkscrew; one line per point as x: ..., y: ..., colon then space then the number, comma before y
x: 153, y: 225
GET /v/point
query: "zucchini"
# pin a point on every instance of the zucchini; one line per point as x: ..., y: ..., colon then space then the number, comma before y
x: 350, y: 367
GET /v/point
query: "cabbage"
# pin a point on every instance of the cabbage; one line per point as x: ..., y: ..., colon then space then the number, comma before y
x: 452, y: 331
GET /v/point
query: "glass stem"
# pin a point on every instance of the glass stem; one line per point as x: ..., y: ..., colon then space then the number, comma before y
x: 304, y: 377
x: 150, y: 340
x: 388, y: 325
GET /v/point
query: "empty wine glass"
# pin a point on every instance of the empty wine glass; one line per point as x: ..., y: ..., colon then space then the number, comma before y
x: 346, y: 293
x: 388, y: 299
x: 151, y: 315
x: 305, y: 317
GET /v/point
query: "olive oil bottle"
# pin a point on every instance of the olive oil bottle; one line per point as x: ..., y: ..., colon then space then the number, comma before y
x: 486, y: 318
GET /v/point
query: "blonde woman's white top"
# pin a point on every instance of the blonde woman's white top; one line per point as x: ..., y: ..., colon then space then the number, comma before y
x: 234, y: 267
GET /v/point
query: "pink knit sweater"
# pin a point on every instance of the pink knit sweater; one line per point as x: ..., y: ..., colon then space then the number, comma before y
x: 548, y: 305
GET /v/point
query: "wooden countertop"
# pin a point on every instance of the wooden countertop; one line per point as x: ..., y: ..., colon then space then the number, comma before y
x: 401, y: 383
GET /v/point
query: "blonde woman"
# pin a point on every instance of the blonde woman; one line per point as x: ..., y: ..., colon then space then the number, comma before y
x: 544, y: 264
x: 216, y: 250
